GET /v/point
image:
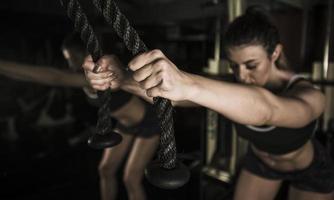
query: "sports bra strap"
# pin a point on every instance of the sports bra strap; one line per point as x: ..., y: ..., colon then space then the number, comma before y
x: 295, y: 79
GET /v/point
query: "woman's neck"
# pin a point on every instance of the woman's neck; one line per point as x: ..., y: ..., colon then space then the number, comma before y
x: 279, y: 80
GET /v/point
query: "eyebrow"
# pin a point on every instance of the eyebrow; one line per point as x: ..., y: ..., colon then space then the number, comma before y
x: 246, y: 62
x: 249, y: 61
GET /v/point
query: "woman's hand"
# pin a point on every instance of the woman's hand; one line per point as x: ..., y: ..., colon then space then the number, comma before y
x: 159, y: 76
x: 110, y: 72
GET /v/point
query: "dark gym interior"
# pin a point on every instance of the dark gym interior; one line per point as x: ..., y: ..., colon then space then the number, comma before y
x: 44, y: 128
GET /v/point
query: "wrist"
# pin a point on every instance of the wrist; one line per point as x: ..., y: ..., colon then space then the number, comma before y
x: 191, y: 87
x: 126, y: 80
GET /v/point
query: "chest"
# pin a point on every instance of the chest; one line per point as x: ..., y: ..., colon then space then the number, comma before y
x: 276, y: 140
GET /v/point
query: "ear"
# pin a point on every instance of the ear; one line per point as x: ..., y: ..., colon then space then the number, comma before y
x: 277, y: 52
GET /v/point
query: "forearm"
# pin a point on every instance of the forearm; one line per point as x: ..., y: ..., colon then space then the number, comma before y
x: 43, y: 75
x: 240, y: 103
x: 18, y: 71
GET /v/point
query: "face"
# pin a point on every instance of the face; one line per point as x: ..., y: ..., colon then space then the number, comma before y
x: 251, y: 64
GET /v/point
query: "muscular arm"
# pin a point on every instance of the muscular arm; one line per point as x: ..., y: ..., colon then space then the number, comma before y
x: 257, y: 106
x: 43, y: 75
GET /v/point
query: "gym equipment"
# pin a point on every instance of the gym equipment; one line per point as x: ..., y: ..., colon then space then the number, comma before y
x: 105, y: 136
x: 168, y: 173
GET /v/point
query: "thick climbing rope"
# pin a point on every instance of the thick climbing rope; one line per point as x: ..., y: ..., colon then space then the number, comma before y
x: 81, y: 25
x: 163, y: 107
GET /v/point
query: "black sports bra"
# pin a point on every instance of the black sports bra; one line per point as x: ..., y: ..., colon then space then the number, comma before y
x: 278, y: 140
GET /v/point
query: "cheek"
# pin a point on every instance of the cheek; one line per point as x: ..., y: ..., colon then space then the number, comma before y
x: 262, y: 74
x: 260, y: 80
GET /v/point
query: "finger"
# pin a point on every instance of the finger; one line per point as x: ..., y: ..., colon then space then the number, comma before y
x: 98, y: 68
x: 151, y: 81
x: 111, y: 59
x: 113, y: 68
x: 105, y: 63
x: 88, y: 58
x: 112, y: 82
x: 101, y: 75
x: 144, y: 59
x: 102, y: 81
x: 142, y: 73
x: 155, y: 92
x: 101, y: 87
x: 88, y: 65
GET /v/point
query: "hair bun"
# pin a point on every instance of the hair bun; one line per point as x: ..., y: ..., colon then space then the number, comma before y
x: 257, y: 11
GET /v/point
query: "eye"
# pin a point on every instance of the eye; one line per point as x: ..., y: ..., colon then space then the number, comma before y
x: 251, y: 66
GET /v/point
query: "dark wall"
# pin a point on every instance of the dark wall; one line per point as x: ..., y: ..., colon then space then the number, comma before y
x: 289, y: 23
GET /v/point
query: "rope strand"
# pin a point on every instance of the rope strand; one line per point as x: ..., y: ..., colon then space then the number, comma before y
x: 163, y: 107
x: 82, y: 25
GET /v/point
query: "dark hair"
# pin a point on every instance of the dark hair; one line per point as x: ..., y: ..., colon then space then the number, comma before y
x: 254, y: 27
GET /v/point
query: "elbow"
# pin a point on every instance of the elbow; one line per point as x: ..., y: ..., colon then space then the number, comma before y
x: 265, y: 115
x: 268, y: 116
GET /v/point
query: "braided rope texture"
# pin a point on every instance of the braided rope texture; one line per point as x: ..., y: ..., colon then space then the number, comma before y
x: 163, y: 107
x: 82, y: 25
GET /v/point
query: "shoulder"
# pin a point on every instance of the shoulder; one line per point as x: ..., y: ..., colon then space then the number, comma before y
x: 302, y: 89
x: 298, y: 84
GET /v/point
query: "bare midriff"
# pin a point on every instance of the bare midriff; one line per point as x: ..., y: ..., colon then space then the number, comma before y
x: 292, y: 161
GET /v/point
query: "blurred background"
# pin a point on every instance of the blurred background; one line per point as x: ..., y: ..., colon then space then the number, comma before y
x: 44, y: 128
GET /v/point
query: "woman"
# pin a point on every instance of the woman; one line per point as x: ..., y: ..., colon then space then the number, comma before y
x: 272, y: 107
x: 140, y: 141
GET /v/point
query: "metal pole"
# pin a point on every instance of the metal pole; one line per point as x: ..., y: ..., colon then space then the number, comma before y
x: 212, y: 116
x: 239, y: 145
x: 328, y: 74
x: 235, y: 8
x: 327, y: 40
x: 325, y: 69
x: 305, y: 26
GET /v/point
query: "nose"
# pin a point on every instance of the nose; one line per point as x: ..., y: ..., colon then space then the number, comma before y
x: 243, y: 74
